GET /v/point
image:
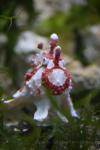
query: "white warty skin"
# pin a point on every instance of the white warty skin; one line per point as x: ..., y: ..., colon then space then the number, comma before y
x: 54, y: 36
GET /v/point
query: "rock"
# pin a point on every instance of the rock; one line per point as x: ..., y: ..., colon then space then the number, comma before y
x: 86, y: 78
x: 67, y: 60
x: 47, y: 8
x: 27, y: 42
x: 3, y: 39
x: 92, y: 44
x: 22, y: 17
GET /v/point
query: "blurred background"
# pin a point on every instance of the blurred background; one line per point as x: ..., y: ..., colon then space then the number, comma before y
x: 23, y: 24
